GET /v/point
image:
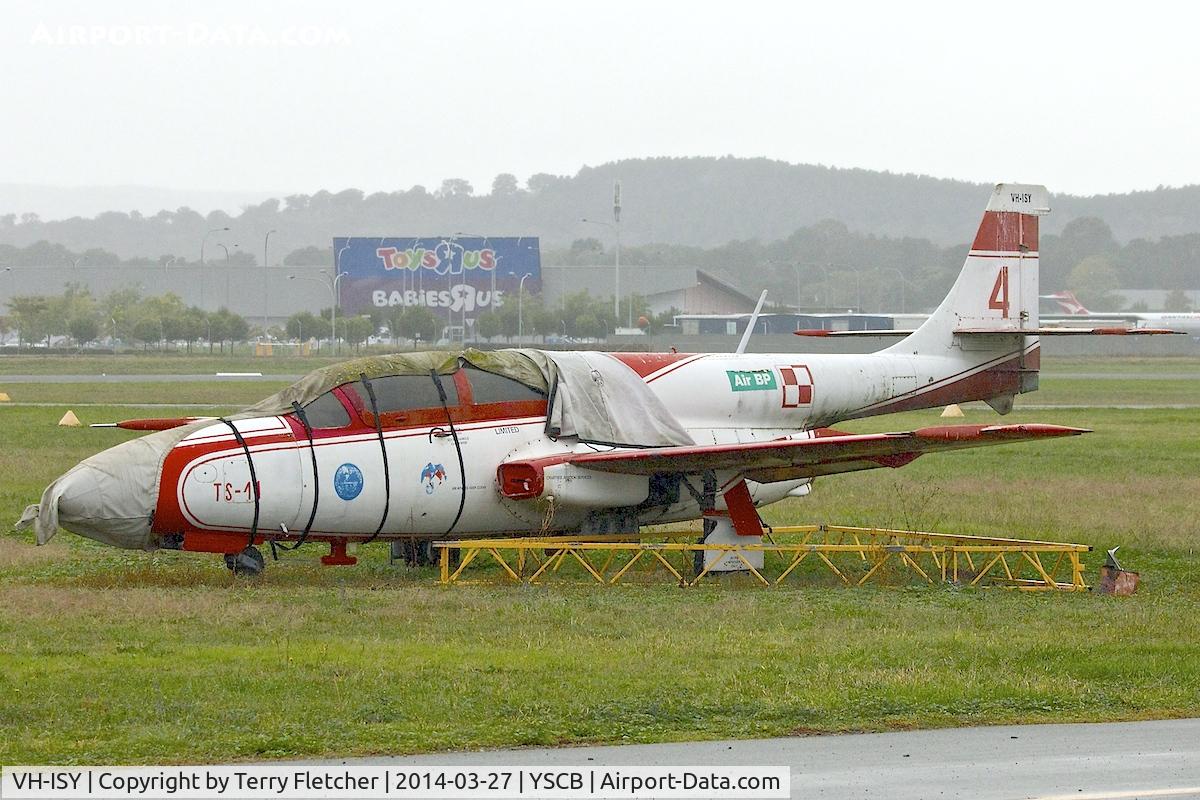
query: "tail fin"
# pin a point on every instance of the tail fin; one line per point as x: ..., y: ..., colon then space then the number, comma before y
x: 997, y: 290
x: 1068, y: 302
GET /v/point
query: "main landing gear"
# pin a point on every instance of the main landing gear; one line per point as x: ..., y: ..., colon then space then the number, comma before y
x: 419, y: 553
x: 414, y: 552
x: 248, y: 562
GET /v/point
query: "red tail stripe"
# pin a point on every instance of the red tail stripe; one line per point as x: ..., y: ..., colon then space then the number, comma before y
x: 1007, y: 231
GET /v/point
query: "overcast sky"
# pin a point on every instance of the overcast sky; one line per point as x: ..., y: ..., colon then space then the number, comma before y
x: 300, y: 96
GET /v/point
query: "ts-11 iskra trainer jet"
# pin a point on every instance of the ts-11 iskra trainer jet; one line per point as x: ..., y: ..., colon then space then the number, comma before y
x: 429, y: 446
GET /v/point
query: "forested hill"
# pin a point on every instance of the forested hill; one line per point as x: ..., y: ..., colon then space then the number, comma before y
x: 691, y: 201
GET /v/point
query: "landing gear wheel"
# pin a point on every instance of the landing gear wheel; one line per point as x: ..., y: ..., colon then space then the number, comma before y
x: 420, y: 553
x: 248, y: 562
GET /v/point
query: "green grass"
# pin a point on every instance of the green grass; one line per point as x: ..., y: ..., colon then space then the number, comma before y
x: 1054, y: 390
x: 171, y: 363
x: 113, y: 656
x: 1121, y: 365
x: 232, y: 393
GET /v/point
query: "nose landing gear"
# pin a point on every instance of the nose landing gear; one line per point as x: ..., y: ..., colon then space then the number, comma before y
x: 248, y: 562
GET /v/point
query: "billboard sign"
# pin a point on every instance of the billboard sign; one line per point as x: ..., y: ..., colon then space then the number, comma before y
x: 459, y: 274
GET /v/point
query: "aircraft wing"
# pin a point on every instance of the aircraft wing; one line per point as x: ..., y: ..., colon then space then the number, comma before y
x: 830, y: 452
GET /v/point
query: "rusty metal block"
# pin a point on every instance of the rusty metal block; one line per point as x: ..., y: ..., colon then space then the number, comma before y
x: 1120, y: 582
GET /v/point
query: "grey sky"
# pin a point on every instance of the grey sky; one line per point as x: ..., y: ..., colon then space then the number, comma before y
x: 1084, y: 98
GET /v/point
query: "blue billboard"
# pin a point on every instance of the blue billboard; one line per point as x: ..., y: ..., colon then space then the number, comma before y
x: 456, y: 273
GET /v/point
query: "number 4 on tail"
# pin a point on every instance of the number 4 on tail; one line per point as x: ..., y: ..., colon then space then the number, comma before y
x: 999, y: 298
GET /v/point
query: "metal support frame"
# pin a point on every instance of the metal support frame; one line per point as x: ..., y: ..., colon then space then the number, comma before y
x: 852, y: 556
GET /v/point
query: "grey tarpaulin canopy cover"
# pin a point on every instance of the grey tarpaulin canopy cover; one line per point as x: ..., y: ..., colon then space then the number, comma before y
x: 593, y: 397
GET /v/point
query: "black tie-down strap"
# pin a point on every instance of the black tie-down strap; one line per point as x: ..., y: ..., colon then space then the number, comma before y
x: 253, y: 479
x: 387, y: 477
x: 462, y: 469
x: 312, y: 452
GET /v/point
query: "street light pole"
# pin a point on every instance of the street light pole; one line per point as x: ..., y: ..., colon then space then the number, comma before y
x: 266, y: 281
x: 520, y: 307
x: 332, y: 283
x: 903, y: 291
x: 617, y: 267
x: 12, y: 289
x: 202, y: 275
x: 333, y: 289
x: 205, y: 239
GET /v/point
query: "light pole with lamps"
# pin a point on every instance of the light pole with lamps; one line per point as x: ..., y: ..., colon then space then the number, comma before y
x: 332, y: 283
x: 226, y: 249
x: 903, y: 283
x: 333, y: 287
x: 616, y: 228
x: 266, y: 282
x: 520, y: 307
x: 205, y: 239
x: 202, y: 276
x: 12, y: 289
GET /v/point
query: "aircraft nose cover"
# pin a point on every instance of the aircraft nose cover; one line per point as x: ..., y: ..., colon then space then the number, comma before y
x: 109, y: 497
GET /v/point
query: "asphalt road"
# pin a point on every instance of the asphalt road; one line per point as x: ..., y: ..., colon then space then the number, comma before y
x: 1081, y: 761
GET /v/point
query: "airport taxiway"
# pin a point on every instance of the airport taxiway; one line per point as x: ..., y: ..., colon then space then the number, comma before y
x: 1100, y: 761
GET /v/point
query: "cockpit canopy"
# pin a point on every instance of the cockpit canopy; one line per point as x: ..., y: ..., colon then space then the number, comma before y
x: 400, y: 400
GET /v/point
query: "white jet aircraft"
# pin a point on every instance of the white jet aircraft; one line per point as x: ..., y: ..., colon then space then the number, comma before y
x: 430, y: 446
x: 1074, y: 311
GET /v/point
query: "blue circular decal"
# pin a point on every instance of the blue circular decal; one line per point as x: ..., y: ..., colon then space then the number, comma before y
x: 348, y: 481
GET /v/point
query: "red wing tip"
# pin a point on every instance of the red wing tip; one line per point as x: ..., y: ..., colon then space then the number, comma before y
x: 1135, y: 331
x: 956, y: 433
x: 1033, y: 429
x: 812, y: 332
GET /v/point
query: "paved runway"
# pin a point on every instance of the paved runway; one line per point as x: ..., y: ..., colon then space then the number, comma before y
x: 1084, y: 761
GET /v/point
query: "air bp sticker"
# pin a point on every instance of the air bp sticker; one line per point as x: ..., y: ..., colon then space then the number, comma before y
x: 752, y: 380
x: 348, y: 481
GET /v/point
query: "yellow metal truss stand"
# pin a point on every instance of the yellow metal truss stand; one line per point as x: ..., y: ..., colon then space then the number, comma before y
x: 851, y: 556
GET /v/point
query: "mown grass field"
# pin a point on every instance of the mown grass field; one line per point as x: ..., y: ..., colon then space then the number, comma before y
x: 109, y: 656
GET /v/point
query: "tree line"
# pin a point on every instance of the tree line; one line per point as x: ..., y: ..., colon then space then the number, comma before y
x: 128, y: 318
x: 703, y: 202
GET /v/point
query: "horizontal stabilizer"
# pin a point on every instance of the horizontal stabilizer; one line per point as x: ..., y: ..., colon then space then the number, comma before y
x: 1043, y: 331
x: 1066, y: 331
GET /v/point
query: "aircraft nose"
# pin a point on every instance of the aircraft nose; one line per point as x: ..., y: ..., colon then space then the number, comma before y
x: 109, y: 497
x: 97, y: 503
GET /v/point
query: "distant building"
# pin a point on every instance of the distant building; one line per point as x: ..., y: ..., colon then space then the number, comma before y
x: 683, y: 288
x: 735, y: 324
